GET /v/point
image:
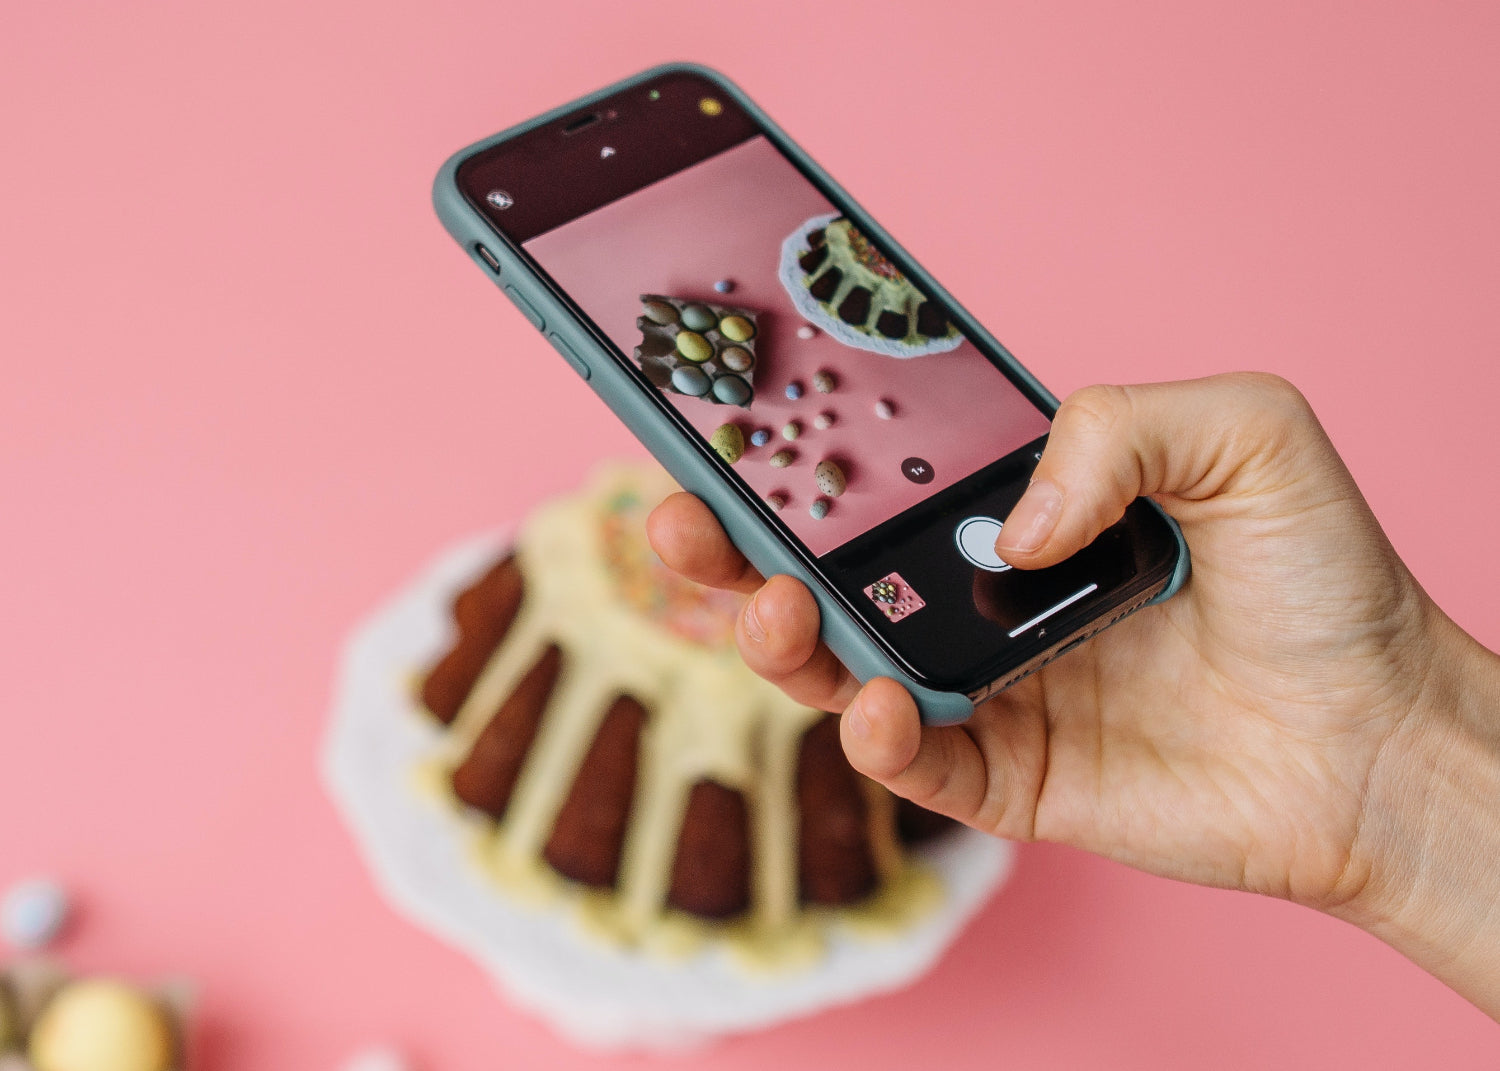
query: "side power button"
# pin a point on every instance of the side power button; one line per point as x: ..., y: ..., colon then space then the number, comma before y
x: 568, y: 355
x: 525, y: 306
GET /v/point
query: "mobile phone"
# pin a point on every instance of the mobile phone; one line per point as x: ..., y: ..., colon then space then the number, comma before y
x: 788, y: 362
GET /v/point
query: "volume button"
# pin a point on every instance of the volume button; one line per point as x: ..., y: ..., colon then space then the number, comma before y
x: 525, y: 306
x: 568, y: 355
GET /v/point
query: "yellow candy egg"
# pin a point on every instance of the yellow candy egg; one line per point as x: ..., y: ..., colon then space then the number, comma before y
x: 736, y: 328
x: 102, y: 1025
x: 694, y: 346
x: 729, y: 442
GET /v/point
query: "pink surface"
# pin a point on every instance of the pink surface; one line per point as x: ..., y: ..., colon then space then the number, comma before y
x: 727, y: 218
x: 249, y: 385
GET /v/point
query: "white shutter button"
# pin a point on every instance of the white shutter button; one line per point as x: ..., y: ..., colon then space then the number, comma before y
x: 976, y: 542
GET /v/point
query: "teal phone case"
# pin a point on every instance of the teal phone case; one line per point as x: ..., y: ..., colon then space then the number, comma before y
x: 691, y: 465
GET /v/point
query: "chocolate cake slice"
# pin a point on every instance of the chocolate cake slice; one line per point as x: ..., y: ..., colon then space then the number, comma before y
x: 834, y: 862
x: 711, y: 873
x: 483, y: 614
x: 589, y: 834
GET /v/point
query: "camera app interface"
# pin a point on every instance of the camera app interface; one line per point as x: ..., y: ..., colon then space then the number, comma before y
x: 834, y: 388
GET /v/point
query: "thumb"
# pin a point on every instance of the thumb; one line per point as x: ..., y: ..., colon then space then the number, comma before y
x: 1110, y: 445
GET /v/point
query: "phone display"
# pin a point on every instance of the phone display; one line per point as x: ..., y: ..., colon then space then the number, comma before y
x: 885, y: 441
x: 905, y: 417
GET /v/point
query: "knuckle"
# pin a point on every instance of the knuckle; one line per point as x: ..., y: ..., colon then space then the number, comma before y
x: 1275, y: 395
x: 1281, y: 411
x: 1093, y: 411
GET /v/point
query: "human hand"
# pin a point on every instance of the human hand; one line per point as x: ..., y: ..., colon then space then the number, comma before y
x: 1276, y: 727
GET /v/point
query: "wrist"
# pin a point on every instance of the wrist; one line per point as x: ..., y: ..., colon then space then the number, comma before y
x: 1430, y: 832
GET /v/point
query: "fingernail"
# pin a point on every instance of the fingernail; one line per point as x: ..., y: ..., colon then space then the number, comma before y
x: 859, y: 724
x: 1033, y: 519
x: 753, y: 628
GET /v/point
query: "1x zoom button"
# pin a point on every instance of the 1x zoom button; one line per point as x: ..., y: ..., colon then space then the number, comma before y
x: 525, y: 306
x: 568, y: 355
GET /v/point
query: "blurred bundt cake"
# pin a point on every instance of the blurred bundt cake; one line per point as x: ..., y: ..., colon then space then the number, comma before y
x: 599, y: 717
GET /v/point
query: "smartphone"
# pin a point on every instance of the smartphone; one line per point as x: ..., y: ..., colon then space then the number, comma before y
x: 787, y: 361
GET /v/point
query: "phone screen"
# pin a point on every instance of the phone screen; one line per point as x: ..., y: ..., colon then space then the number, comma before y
x: 906, y: 416
x: 889, y: 444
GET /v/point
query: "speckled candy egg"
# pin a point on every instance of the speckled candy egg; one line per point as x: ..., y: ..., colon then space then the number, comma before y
x: 759, y: 437
x: 776, y: 500
x: 694, y: 347
x: 791, y: 430
x: 102, y: 1025
x: 884, y: 409
x: 823, y: 421
x: 793, y: 391
x: 691, y: 380
x: 737, y: 359
x: 819, y: 509
x: 728, y: 442
x: 830, y: 478
x: 659, y: 312
x: 782, y: 458
x: 823, y: 382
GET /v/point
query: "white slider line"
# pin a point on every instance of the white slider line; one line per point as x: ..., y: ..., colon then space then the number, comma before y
x: 1039, y: 618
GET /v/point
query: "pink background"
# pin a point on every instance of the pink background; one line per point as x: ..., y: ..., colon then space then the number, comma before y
x: 727, y: 218
x: 249, y: 385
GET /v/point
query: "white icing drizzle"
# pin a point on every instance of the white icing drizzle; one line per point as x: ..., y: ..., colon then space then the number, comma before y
x: 708, y: 717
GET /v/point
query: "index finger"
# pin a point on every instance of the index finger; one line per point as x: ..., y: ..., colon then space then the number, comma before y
x: 689, y: 540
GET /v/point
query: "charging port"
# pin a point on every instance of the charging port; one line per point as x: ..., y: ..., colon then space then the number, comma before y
x: 488, y: 257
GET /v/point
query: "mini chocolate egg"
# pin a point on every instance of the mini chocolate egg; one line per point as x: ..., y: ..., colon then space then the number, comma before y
x: 884, y: 409
x: 807, y: 331
x: 102, y: 1025
x: 793, y: 390
x: 736, y: 329
x: 791, y: 431
x: 728, y: 442
x: 736, y: 359
x: 759, y: 437
x: 724, y: 286
x: 830, y: 478
x: 33, y: 913
x: 379, y: 1058
x: 818, y: 509
x: 697, y: 317
x: 690, y: 380
x: 824, y: 420
x: 776, y: 500
x: 694, y: 346
x: 659, y: 312
x: 824, y: 382
x: 782, y: 458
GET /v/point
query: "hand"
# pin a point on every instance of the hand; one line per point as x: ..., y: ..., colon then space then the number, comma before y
x: 1272, y: 728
